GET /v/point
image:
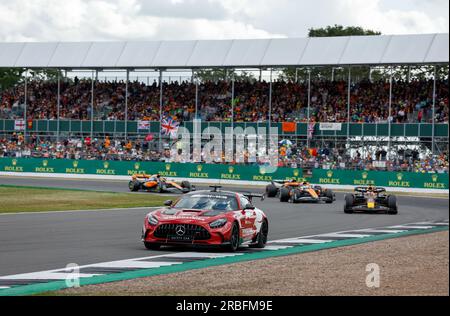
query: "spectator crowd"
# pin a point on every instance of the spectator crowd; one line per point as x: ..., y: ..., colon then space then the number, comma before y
x: 411, y: 101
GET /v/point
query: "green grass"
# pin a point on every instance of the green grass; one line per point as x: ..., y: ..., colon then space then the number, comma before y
x: 27, y: 199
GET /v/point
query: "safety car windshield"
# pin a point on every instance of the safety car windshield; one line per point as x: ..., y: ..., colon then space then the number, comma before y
x: 221, y: 203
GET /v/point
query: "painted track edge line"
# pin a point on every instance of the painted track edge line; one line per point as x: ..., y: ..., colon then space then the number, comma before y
x: 108, y: 278
x: 84, y: 211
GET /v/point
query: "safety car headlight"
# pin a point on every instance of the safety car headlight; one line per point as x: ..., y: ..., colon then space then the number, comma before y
x: 218, y: 223
x: 152, y: 220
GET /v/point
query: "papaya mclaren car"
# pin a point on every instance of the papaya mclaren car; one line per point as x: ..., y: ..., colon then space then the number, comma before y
x: 370, y: 199
x: 207, y: 218
x: 299, y: 192
x: 158, y: 184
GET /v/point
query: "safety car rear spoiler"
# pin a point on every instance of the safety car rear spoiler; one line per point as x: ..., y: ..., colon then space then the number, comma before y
x: 250, y: 196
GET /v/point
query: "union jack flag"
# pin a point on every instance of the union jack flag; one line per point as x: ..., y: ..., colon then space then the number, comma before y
x: 311, y: 127
x: 169, y: 127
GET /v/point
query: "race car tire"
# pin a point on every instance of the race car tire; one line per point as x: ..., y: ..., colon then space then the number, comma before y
x: 349, y: 200
x: 330, y: 196
x: 234, y: 238
x: 186, y: 185
x: 296, y: 193
x: 261, y: 239
x: 392, y: 204
x: 134, y: 186
x: 152, y: 246
x: 271, y: 191
x: 284, y: 195
x: 161, y: 188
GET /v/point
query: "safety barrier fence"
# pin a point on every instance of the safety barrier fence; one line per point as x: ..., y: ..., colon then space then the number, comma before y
x: 208, y: 172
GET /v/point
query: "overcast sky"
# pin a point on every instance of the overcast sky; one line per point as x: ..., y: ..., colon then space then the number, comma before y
x: 85, y: 20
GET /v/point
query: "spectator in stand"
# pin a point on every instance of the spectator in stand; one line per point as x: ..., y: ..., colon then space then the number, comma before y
x: 369, y: 101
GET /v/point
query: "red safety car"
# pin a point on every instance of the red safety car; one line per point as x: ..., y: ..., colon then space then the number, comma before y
x: 209, y: 218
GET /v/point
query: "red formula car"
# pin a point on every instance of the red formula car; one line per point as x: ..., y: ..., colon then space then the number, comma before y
x: 209, y: 218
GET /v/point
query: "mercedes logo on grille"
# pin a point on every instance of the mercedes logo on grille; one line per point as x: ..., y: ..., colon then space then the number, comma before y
x: 180, y: 230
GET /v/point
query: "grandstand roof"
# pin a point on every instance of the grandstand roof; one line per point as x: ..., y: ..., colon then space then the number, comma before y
x: 253, y: 53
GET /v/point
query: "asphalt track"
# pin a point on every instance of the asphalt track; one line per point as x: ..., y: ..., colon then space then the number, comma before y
x: 36, y: 242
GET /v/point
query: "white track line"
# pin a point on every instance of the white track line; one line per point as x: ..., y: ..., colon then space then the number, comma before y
x: 411, y: 226
x: 84, y: 211
x: 345, y: 235
x: 303, y: 241
x: 387, y: 231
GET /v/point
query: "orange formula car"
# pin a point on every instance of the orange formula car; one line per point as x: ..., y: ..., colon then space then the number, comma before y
x: 158, y: 184
x: 299, y: 192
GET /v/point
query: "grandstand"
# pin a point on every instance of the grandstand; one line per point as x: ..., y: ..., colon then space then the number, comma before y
x: 337, y: 122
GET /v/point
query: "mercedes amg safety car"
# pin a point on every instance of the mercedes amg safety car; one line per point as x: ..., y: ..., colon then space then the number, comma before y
x: 370, y: 199
x: 299, y: 192
x: 209, y: 218
x: 158, y: 184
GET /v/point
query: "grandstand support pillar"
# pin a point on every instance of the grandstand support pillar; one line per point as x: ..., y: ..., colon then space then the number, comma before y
x: 196, y: 97
x: 308, y: 116
x: 349, y: 89
x: 260, y: 74
x: 232, y: 101
x: 390, y: 113
x: 92, y: 101
x: 160, y: 107
x: 270, y: 97
x: 58, y: 105
x: 433, y: 111
x: 332, y: 74
x: 296, y: 75
x: 25, y: 107
x: 126, y: 103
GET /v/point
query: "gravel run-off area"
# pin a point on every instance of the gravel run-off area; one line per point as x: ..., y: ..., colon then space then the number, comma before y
x: 415, y: 265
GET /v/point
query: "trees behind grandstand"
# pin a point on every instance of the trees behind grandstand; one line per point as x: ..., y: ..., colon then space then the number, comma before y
x: 358, y: 73
x: 336, y: 73
x: 9, y: 77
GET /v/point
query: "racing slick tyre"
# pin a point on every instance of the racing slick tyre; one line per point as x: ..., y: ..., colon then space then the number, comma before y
x: 234, y: 238
x: 295, y: 195
x: 261, y: 239
x: 271, y: 190
x: 392, y: 204
x: 284, y: 195
x: 134, y: 186
x: 186, y: 185
x: 152, y: 246
x: 349, y: 200
x: 330, y: 196
x: 161, y: 188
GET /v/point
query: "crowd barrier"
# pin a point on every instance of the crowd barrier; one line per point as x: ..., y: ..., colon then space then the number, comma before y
x: 215, y: 173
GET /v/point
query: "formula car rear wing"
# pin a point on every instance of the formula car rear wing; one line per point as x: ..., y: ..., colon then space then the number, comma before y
x: 366, y: 189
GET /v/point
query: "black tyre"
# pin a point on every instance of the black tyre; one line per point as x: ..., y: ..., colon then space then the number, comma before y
x: 330, y: 196
x: 296, y: 194
x: 392, y: 204
x: 271, y: 191
x: 161, y: 188
x: 261, y: 238
x: 349, y: 200
x: 152, y: 246
x: 186, y: 185
x: 284, y: 194
x: 134, y: 186
x: 234, y: 239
